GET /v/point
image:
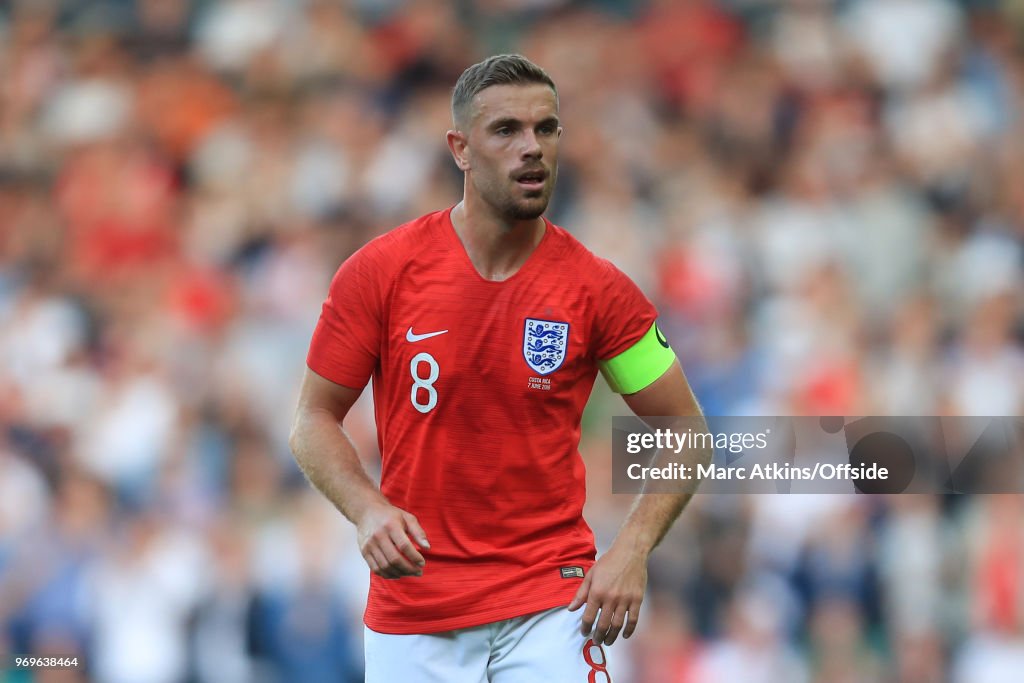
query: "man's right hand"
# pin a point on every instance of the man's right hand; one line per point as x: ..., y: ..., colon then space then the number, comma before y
x: 384, y: 532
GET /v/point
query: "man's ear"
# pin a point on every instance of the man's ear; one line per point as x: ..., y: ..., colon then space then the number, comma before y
x: 457, y: 144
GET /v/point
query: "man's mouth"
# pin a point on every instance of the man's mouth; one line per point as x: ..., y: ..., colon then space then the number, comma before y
x: 532, y: 180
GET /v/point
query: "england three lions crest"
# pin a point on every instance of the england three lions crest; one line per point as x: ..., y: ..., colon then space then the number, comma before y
x: 544, y: 344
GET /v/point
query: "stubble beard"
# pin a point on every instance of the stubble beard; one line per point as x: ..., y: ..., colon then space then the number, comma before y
x: 520, y: 208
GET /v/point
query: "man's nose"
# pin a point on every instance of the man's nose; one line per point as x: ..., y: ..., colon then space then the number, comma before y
x: 531, y: 146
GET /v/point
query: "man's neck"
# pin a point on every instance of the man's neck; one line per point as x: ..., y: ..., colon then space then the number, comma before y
x: 497, y: 248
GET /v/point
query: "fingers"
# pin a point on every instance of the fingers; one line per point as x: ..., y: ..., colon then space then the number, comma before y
x: 389, y: 564
x: 415, y: 530
x: 617, y: 621
x: 634, y: 617
x: 614, y: 614
x: 581, y: 595
x: 408, y: 550
x: 604, y: 625
x: 397, y: 561
x: 379, y: 564
x: 589, y: 617
x: 371, y: 562
x: 387, y: 549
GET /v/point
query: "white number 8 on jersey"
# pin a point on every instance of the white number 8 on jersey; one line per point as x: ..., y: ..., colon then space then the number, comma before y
x: 425, y: 383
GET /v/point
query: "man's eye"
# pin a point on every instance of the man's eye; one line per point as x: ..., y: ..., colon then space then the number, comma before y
x: 548, y: 130
x: 504, y: 132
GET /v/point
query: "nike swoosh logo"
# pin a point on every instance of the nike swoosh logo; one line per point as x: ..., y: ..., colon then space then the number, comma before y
x: 660, y: 336
x: 410, y: 337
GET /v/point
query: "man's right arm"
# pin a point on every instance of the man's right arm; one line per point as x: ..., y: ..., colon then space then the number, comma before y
x: 328, y: 458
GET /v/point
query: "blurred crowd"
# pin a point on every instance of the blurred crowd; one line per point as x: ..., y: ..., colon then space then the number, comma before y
x: 825, y: 199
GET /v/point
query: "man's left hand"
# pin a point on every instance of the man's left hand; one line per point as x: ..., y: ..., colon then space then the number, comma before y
x: 615, y: 585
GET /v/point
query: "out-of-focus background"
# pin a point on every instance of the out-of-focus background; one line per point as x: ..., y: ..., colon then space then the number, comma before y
x: 824, y: 198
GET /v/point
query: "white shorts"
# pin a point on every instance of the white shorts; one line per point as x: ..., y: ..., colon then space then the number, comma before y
x: 543, y: 647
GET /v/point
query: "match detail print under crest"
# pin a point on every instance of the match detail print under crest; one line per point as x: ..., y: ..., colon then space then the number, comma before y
x: 544, y: 344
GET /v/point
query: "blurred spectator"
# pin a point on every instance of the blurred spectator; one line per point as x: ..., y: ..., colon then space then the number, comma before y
x: 753, y: 647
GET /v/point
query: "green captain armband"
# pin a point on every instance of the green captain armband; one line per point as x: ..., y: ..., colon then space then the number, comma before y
x: 638, y: 366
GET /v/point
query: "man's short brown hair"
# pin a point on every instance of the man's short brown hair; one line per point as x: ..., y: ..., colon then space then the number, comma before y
x: 497, y: 70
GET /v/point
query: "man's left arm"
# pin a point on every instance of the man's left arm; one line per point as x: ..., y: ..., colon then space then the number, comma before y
x: 615, y: 585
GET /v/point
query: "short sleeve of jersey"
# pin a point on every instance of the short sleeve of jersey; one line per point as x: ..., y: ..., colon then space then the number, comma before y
x: 346, y: 342
x: 624, y: 315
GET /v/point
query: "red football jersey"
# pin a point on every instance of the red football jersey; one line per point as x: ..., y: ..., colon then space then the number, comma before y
x: 478, y: 390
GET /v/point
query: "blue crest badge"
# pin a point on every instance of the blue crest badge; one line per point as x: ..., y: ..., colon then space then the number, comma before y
x: 544, y: 344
